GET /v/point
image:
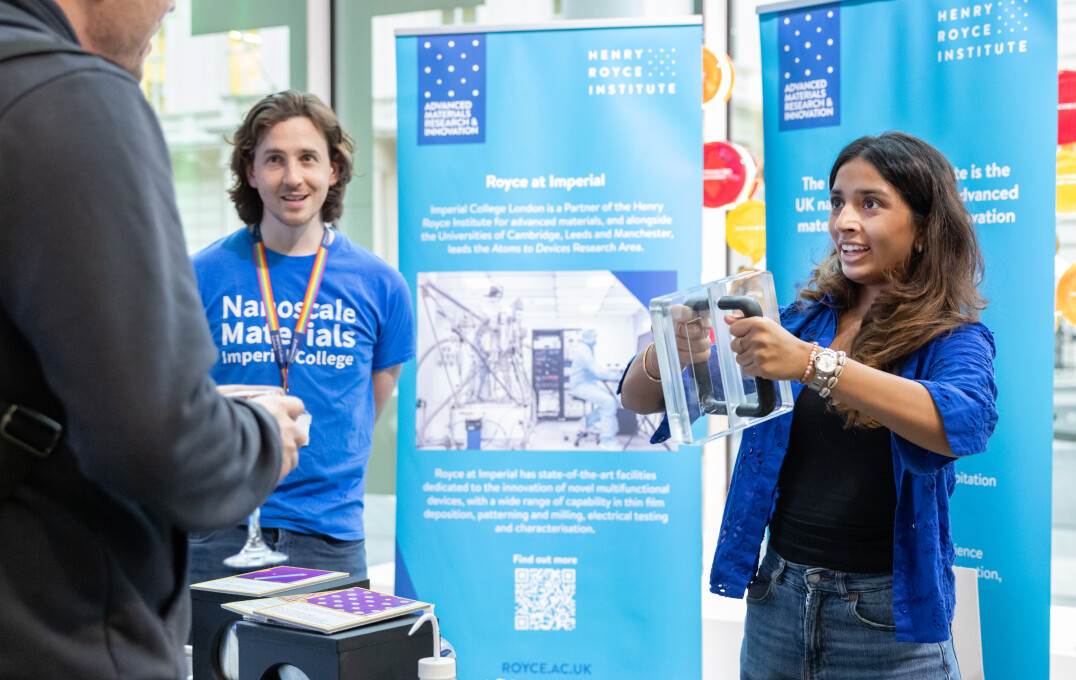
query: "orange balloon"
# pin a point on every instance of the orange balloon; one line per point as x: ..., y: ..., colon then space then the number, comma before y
x: 718, y: 76
x: 711, y: 75
x: 1065, y: 301
x: 728, y: 77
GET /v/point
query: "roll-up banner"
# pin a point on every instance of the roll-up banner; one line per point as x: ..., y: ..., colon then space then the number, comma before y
x: 978, y: 81
x: 549, y: 187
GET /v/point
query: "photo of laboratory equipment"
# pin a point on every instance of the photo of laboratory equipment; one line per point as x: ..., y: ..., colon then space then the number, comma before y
x: 527, y: 361
x: 547, y: 369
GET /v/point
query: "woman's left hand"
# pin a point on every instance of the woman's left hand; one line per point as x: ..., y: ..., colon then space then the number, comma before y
x: 766, y: 350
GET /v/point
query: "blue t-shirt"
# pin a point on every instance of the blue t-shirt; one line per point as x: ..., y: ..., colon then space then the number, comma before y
x: 361, y: 322
x: 957, y: 368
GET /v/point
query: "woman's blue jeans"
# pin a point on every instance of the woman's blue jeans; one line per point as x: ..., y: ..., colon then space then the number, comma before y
x: 811, y: 623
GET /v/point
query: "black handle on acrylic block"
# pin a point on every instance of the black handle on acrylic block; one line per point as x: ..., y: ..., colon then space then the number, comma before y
x: 704, y: 384
x: 767, y: 393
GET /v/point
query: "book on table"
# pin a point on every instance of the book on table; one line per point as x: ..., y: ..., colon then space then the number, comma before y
x: 269, y: 581
x: 328, y: 611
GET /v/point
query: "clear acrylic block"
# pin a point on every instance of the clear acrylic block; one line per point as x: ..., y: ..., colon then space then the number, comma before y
x: 715, y: 385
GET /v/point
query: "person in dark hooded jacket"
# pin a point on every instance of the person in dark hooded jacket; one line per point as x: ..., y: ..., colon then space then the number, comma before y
x: 113, y: 440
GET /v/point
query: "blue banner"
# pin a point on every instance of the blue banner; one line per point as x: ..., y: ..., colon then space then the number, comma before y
x: 978, y: 81
x: 550, y: 185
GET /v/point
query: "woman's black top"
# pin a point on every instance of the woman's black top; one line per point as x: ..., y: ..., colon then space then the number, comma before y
x: 836, y: 495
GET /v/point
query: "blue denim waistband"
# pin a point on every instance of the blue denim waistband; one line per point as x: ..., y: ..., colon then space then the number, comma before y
x: 779, y: 569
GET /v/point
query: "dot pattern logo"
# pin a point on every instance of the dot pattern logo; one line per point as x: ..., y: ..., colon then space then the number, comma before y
x: 809, y: 57
x: 452, y: 89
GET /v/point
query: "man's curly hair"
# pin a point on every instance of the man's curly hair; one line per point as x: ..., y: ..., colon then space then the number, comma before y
x: 277, y: 108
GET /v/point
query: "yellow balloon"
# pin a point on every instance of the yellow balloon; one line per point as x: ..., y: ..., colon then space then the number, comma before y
x: 1066, y: 181
x: 745, y: 229
x: 1065, y: 302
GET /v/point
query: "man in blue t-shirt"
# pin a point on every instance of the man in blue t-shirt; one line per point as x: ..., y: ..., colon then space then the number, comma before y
x: 338, y: 328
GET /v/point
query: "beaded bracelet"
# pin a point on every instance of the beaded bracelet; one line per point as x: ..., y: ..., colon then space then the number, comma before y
x: 646, y: 372
x: 810, y: 363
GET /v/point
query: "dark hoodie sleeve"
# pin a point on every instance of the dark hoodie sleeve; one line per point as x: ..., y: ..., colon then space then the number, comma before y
x: 94, y: 274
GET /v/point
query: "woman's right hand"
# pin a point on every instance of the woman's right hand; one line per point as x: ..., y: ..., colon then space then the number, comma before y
x: 641, y: 390
x: 692, y: 331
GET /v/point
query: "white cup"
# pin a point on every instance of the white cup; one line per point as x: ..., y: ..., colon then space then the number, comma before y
x: 302, y: 421
x: 250, y: 391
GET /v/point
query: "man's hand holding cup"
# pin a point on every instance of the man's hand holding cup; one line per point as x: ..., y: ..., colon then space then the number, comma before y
x: 290, y: 415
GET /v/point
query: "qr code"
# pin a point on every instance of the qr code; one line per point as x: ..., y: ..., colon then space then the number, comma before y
x: 545, y: 599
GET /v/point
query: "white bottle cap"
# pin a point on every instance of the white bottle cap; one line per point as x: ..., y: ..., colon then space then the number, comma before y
x: 436, y: 668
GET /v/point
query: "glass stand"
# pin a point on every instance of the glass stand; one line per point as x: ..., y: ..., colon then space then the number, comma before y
x: 255, y: 553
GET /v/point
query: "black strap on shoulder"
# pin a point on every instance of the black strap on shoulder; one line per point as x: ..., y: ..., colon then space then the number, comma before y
x: 27, y: 437
x: 11, y: 49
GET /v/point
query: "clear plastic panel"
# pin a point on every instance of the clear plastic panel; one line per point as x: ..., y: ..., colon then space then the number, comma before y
x: 715, y: 385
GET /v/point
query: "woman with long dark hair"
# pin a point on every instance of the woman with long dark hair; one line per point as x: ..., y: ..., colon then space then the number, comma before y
x: 854, y: 484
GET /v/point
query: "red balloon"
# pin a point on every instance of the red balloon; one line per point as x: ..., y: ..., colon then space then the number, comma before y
x: 724, y: 174
x: 1066, y: 107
